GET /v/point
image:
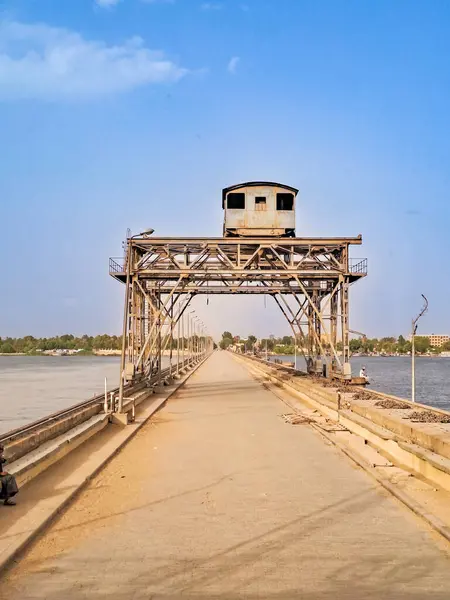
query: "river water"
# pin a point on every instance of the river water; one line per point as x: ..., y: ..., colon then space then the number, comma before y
x: 392, y: 375
x: 32, y: 387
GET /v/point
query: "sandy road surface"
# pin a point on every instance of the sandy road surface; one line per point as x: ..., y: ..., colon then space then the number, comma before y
x: 218, y: 497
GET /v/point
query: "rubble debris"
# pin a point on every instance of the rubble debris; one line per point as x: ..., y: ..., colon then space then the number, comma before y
x: 329, y: 384
x: 296, y: 419
x: 389, y: 403
x: 344, y: 390
x: 363, y: 395
x: 427, y: 416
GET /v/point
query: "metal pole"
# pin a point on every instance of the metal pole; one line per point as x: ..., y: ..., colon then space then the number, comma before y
x: 178, y: 347
x: 125, y: 328
x: 182, y: 335
x: 106, y: 396
x: 189, y: 338
x: 413, y: 365
x: 171, y: 342
x: 413, y: 348
x: 295, y: 352
x: 196, y: 339
x: 159, y: 334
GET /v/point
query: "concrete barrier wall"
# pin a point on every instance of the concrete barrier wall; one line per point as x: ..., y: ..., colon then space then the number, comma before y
x: 422, y: 448
x: 25, y: 444
x: 29, y: 453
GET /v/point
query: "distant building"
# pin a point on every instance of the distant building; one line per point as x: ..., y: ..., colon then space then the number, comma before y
x: 436, y: 340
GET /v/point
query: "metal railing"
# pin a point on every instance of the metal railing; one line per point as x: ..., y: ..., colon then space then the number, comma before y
x: 115, y: 266
x: 358, y: 266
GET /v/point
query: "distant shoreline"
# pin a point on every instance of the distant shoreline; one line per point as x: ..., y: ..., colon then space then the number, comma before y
x: 39, y: 354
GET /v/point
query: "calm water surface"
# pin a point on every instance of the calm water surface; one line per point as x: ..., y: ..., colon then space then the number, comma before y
x: 32, y: 387
x: 392, y: 375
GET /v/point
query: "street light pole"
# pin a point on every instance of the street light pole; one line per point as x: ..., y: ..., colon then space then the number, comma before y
x: 295, y: 352
x: 191, y: 339
x: 178, y: 347
x: 182, y: 335
x: 413, y: 358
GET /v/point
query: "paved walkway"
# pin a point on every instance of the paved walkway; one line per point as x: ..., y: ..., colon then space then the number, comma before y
x: 218, y: 497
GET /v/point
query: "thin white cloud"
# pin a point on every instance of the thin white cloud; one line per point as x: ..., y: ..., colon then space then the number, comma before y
x: 211, y: 6
x: 107, y: 3
x: 43, y: 62
x: 233, y: 64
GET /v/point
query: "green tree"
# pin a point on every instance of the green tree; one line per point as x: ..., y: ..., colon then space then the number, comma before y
x: 269, y: 343
x: 7, y: 348
x: 422, y: 344
x: 355, y: 345
x: 225, y: 342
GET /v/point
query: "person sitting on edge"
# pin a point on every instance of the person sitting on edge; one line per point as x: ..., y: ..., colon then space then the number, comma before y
x: 363, y: 373
x: 8, y: 482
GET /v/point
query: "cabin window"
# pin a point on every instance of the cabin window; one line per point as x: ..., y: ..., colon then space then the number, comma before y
x: 285, y: 201
x: 236, y: 200
x: 260, y: 203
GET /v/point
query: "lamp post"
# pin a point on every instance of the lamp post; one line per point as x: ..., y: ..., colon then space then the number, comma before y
x: 295, y: 352
x: 197, y: 337
x: 413, y: 358
x: 202, y: 338
x: 194, y: 338
x: 182, y: 335
x: 191, y: 339
x: 178, y: 347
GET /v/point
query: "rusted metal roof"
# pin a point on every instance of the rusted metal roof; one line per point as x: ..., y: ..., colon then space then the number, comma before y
x: 255, y: 184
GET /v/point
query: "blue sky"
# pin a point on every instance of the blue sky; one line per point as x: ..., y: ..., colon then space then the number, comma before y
x: 136, y: 113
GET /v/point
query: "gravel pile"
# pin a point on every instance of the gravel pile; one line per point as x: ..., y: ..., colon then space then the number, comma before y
x: 426, y: 416
x: 388, y: 403
x: 363, y: 395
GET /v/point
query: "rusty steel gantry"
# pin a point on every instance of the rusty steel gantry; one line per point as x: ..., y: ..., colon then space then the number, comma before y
x: 308, y: 278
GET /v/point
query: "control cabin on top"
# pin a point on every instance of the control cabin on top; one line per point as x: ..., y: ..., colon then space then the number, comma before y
x: 259, y: 209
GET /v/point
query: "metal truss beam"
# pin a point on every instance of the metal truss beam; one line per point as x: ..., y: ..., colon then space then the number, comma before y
x: 309, y: 279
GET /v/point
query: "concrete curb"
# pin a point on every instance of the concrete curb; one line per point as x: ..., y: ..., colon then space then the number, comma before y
x: 419, y: 460
x: 436, y: 523
x: 15, y: 549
